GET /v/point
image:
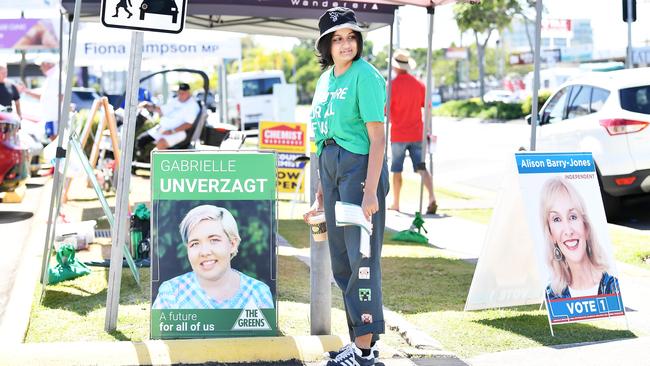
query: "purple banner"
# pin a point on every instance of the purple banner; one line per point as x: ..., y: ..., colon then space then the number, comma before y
x: 28, y: 34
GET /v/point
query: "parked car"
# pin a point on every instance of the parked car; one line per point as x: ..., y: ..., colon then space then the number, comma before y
x: 500, y: 95
x: 14, y: 158
x: 606, y: 114
x: 250, y: 97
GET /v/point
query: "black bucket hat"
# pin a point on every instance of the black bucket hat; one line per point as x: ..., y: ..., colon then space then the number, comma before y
x: 335, y: 19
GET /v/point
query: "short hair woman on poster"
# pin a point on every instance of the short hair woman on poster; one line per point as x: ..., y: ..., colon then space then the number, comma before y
x: 578, y: 263
x: 212, y: 239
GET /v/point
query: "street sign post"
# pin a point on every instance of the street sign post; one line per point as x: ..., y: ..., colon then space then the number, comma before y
x: 152, y: 15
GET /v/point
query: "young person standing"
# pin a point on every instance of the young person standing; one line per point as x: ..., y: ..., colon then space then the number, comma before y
x: 348, y: 121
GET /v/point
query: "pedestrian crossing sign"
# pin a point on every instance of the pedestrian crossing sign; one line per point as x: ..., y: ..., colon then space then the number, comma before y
x: 166, y: 16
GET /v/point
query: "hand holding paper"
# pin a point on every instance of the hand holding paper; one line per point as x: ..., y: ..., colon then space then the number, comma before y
x: 350, y: 214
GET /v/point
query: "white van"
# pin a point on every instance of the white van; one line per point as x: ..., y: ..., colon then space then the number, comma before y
x: 250, y: 97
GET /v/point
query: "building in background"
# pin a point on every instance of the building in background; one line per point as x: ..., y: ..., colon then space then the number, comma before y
x: 573, y: 38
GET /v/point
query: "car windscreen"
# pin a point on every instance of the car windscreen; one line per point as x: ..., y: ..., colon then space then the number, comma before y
x: 255, y: 87
x: 636, y: 99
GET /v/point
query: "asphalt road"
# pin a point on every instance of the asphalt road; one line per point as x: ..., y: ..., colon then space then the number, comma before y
x: 476, y: 155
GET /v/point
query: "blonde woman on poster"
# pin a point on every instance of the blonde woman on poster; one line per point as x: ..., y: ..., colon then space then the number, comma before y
x: 212, y: 240
x: 578, y: 263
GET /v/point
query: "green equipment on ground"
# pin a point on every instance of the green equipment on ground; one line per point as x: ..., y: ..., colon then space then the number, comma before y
x: 411, y: 235
x: 67, y: 266
x: 139, y: 230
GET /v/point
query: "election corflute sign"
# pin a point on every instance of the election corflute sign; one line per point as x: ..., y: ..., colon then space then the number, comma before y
x: 214, y: 259
x: 549, y: 226
x: 568, y: 225
x: 290, y: 141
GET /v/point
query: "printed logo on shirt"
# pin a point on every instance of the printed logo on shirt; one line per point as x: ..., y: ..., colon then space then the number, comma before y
x: 325, y: 109
x: 365, y: 294
x: 364, y: 273
x: 366, y: 318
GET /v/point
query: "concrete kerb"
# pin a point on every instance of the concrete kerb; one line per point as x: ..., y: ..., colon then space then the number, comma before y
x: 17, y: 313
x: 161, y: 352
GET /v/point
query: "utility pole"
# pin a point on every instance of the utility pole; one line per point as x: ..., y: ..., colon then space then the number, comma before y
x: 629, y: 16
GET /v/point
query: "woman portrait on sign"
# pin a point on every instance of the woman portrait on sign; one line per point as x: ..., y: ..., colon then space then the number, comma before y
x: 212, y: 240
x: 578, y: 263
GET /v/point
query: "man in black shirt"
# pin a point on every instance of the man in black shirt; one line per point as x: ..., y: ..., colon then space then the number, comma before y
x: 8, y: 91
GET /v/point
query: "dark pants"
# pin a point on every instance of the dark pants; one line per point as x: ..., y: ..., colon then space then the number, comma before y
x: 342, y: 175
x: 143, y: 140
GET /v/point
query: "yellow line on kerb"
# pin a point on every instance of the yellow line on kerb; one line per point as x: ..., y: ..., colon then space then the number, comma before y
x: 305, y: 348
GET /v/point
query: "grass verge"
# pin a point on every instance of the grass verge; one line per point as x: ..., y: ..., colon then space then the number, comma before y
x: 429, y: 289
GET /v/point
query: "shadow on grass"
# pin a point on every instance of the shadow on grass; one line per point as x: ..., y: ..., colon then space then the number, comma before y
x: 88, y: 293
x: 419, y: 285
x: 93, y: 213
x: 531, y: 326
x: 77, y: 303
x: 119, y: 336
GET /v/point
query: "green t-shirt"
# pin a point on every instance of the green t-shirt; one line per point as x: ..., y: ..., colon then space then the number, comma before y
x: 342, y: 105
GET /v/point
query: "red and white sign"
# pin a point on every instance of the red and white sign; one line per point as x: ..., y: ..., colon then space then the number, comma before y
x: 456, y: 53
x: 283, y: 136
x: 556, y: 27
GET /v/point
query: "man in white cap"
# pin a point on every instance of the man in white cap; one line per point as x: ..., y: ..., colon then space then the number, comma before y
x: 406, y: 103
x: 177, y: 117
x: 48, y: 94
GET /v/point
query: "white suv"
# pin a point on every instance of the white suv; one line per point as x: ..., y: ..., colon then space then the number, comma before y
x: 606, y: 114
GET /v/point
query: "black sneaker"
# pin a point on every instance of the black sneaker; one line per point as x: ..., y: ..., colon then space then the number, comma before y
x: 350, y: 355
x: 332, y: 354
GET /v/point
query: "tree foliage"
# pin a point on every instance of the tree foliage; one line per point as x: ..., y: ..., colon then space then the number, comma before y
x: 256, y: 58
x: 483, y: 19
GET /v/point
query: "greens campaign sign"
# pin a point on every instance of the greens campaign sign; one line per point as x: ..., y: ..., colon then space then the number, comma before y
x: 213, y: 245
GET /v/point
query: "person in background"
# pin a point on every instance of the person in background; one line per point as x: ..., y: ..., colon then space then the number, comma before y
x: 406, y: 103
x: 577, y: 261
x: 9, y: 92
x: 177, y: 116
x: 212, y: 240
x: 348, y: 121
x: 48, y: 94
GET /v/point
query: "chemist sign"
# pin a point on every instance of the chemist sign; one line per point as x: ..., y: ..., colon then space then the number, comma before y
x: 289, y: 140
x: 213, y: 252
x: 167, y: 16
